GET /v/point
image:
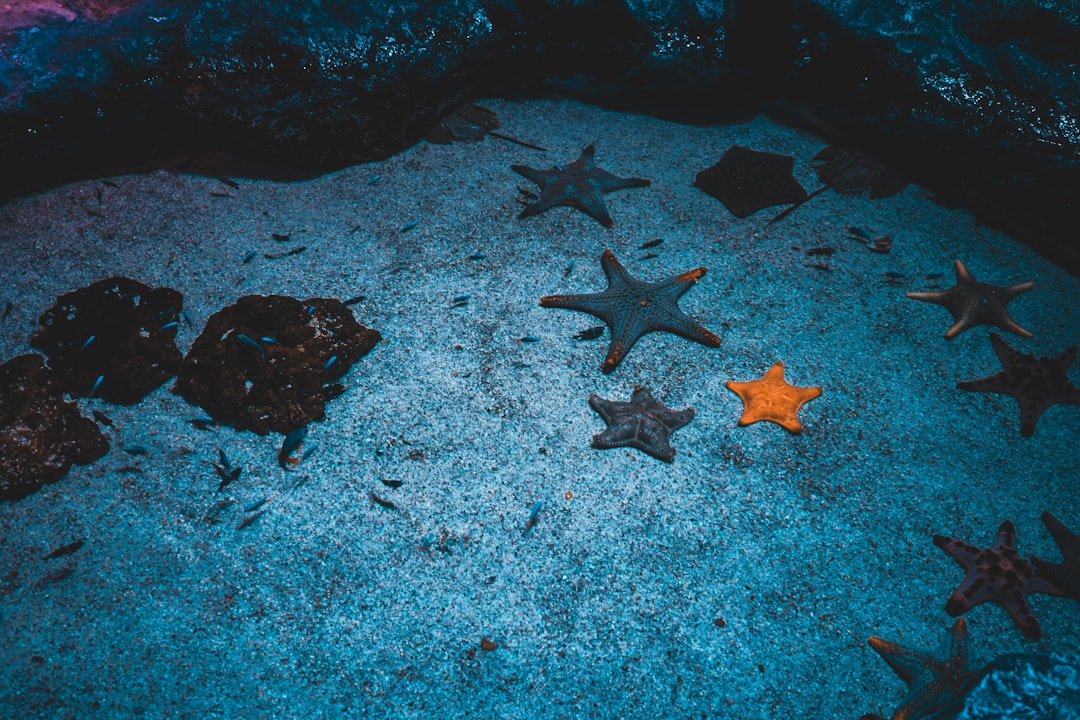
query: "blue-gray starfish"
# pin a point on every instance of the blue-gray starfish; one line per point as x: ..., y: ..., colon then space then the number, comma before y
x: 632, y: 308
x: 976, y: 303
x: 1065, y: 574
x: 644, y: 423
x: 933, y: 684
x: 580, y: 184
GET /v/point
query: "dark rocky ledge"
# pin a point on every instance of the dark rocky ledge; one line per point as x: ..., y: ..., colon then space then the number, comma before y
x: 977, y: 99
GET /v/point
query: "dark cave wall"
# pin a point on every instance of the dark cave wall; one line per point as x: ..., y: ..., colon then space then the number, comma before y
x: 977, y: 99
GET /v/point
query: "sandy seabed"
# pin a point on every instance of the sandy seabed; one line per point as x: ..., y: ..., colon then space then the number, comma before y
x: 742, y: 580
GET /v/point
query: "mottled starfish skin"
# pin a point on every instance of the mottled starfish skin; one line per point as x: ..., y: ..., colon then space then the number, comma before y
x: 644, y: 423
x: 632, y: 308
x: 1036, y: 383
x: 771, y: 398
x: 581, y: 184
x: 997, y: 574
x: 1065, y: 574
x: 976, y: 303
x: 933, y: 683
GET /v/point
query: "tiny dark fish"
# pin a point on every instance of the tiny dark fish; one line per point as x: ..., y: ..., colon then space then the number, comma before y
x: 223, y: 458
x: 268, y: 339
x: 528, y: 339
x: 460, y: 300
x: 929, y: 276
x: 287, y: 253
x: 384, y: 503
x: 251, y: 342
x: 355, y: 300
x: 251, y: 254
x: 134, y: 450
x: 590, y: 333
x: 96, y: 385
x: 103, y: 418
x: 819, y: 266
x: 65, y: 550
x: 857, y: 232
x: 228, y: 475
x: 534, y: 516
x: 94, y: 213
x: 309, y: 452
x: 289, y: 445
x: 648, y: 256
x: 891, y: 274
x: 651, y: 244
x: 202, y: 423
x: 826, y: 251
x: 133, y: 469
x: 109, y: 183
x: 409, y: 226
x: 250, y: 520
x: 214, y: 193
x: 280, y: 237
x: 255, y: 505
x: 170, y: 325
x: 391, y: 483
x: 892, y: 281
x: 569, y: 269
x: 7, y: 311
x: 212, y: 515
x: 374, y: 179
x: 228, y: 181
x: 186, y: 318
x: 476, y: 256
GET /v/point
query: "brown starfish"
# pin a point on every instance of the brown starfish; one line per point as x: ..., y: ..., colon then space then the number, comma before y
x: 580, y: 184
x: 632, y: 308
x: 976, y: 303
x: 1036, y: 383
x: 771, y: 398
x: 997, y: 574
x: 644, y: 423
x: 933, y: 684
x: 1065, y: 574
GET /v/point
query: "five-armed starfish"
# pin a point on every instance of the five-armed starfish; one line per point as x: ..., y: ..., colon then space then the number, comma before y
x: 632, y: 308
x: 644, y: 423
x: 933, y: 684
x: 976, y: 303
x: 580, y: 184
x: 998, y: 574
x: 771, y: 398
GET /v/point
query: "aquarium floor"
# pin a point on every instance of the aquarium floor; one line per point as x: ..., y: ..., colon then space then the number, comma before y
x: 742, y: 580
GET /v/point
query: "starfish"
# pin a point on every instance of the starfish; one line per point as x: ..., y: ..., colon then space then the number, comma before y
x: 581, y: 184
x: 933, y: 684
x: 998, y: 574
x: 644, y: 423
x: 1036, y: 383
x: 976, y: 303
x: 772, y: 398
x: 1065, y: 574
x: 632, y: 308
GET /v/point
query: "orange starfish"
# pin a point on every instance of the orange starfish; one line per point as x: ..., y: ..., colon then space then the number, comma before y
x: 772, y: 398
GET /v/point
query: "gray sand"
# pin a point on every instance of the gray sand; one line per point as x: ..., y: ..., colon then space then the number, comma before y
x: 740, y: 581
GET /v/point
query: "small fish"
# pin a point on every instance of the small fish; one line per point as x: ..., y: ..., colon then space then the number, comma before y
x: 88, y: 341
x: 648, y: 256
x: 170, y: 325
x: 590, y: 333
x: 212, y: 515
x: 228, y: 181
x: 109, y: 183
x: 309, y: 452
x: 380, y: 501
x: 94, y: 213
x: 223, y: 458
x: 202, y: 423
x: 268, y: 339
x: 460, y: 300
x: 310, y: 310
x: 7, y: 311
x: 391, y: 483
x: 857, y: 232
x: 134, y: 450
x: 103, y: 418
x: 651, y: 244
x: 528, y: 339
x: 476, y: 256
x: 934, y: 276
x: 569, y: 269
x: 819, y: 266
x: 329, y: 362
x: 891, y: 274
x: 65, y: 550
x: 248, y: 257
x: 280, y: 237
x: 96, y: 385
x: 134, y: 469
x: 214, y: 193
x: 826, y: 251
x: 287, y: 253
x: 251, y: 342
x: 892, y: 281
x: 355, y: 300
x: 409, y: 226
x: 534, y: 515
x: 880, y: 244
x: 186, y: 318
x: 374, y: 179
x: 228, y: 475
x: 289, y: 445
x: 255, y: 505
x: 250, y: 520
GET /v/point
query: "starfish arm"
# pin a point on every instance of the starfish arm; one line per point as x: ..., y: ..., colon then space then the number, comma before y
x: 678, y: 418
x: 1067, y: 541
x: 936, y: 297
x: 998, y: 383
x: 687, y: 328
x: 962, y: 273
x: 961, y: 551
x: 1031, y: 409
x: 1011, y: 291
x: 956, y: 645
x: 614, y: 271
x: 1005, y: 321
x: 595, y: 304
x: 534, y: 209
x: 677, y: 286
x: 912, y: 666
x: 1064, y: 359
x: 604, y: 407
x: 540, y: 177
x: 608, y: 182
x: 591, y: 203
x: 1007, y: 355
x: 1062, y: 576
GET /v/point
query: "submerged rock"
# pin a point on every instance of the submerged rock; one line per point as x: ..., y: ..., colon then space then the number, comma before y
x: 114, y: 339
x: 1025, y: 686
x: 263, y: 363
x: 41, y: 433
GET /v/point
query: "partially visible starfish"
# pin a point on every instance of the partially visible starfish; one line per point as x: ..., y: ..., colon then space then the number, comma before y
x: 632, y: 308
x: 580, y: 184
x: 1036, y: 383
x: 998, y: 574
x: 933, y: 684
x: 772, y: 398
x: 1065, y: 574
x: 976, y: 303
x: 644, y: 423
